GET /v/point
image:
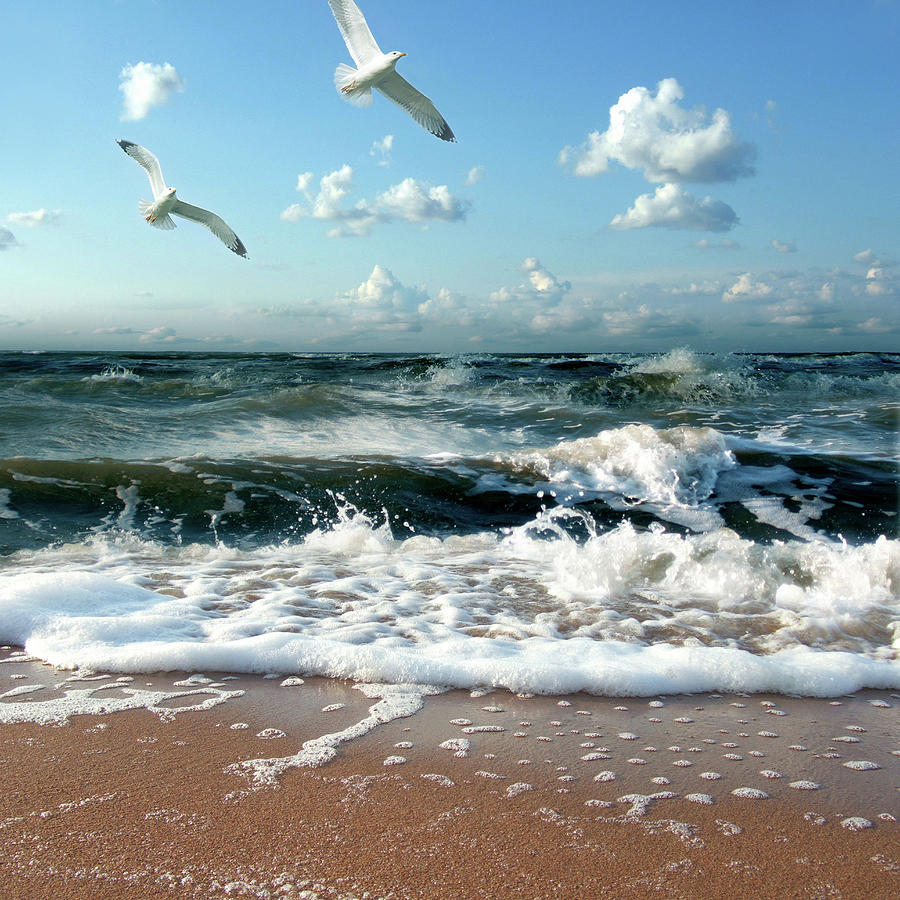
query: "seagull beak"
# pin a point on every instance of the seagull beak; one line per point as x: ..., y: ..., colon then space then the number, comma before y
x: 402, y: 54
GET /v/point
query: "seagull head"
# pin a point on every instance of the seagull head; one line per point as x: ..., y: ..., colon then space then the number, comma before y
x: 395, y: 55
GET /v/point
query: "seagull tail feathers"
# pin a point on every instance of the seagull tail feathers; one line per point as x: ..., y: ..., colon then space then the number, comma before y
x: 166, y: 222
x: 344, y: 79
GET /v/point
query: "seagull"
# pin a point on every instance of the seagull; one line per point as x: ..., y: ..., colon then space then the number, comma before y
x: 375, y: 69
x: 165, y: 204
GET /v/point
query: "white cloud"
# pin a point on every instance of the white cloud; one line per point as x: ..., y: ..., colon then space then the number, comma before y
x: 7, y: 239
x: 746, y: 289
x: 570, y: 315
x: 381, y: 290
x: 448, y: 308
x: 474, y: 175
x: 670, y: 143
x: 694, y: 288
x: 417, y: 201
x: 304, y: 181
x: 795, y: 314
x: 877, y: 284
x: 879, y: 280
x: 146, y: 85
x: 294, y: 213
x: 541, y: 285
x: 384, y: 303
x: 672, y: 207
x: 381, y: 150
x: 783, y: 246
x: 412, y: 201
x: 876, y: 325
x: 35, y: 217
x: 163, y: 333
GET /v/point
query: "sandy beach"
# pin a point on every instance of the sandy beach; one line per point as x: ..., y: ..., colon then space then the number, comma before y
x: 472, y: 795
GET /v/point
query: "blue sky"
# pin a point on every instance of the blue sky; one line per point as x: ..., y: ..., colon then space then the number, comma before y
x: 634, y: 176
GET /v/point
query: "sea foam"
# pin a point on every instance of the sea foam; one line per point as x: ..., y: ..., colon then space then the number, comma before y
x: 622, y: 613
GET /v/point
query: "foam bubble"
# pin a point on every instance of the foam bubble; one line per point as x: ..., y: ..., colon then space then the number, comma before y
x: 749, y: 793
x: 518, y: 788
x: 456, y: 744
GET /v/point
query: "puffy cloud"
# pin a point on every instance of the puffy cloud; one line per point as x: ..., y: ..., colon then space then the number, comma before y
x: 293, y: 213
x: 672, y: 207
x: 416, y: 201
x: 570, y: 315
x: 783, y: 246
x: 34, y: 218
x: 746, y: 289
x: 670, y: 143
x: 381, y: 150
x: 411, y: 201
x: 382, y: 290
x: 447, y: 308
x: 304, y: 181
x: 146, y: 85
x: 877, y: 283
x: 474, y: 175
x: 7, y: 239
x: 541, y: 285
x: 384, y: 303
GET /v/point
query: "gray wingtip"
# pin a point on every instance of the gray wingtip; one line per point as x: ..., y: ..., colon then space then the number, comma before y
x: 445, y: 134
x: 125, y: 144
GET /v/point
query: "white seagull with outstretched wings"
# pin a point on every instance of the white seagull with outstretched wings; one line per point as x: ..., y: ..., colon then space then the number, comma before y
x: 375, y: 69
x: 165, y: 204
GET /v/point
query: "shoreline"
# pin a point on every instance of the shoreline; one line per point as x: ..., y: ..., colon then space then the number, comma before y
x: 532, y: 797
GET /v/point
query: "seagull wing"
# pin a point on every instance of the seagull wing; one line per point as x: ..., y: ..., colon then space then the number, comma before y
x: 395, y: 87
x: 355, y: 31
x: 149, y: 162
x: 214, y: 223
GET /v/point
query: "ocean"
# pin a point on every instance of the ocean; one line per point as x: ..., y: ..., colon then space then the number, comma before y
x: 621, y: 524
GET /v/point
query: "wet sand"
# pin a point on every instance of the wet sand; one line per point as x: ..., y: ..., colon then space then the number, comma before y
x: 529, y: 797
